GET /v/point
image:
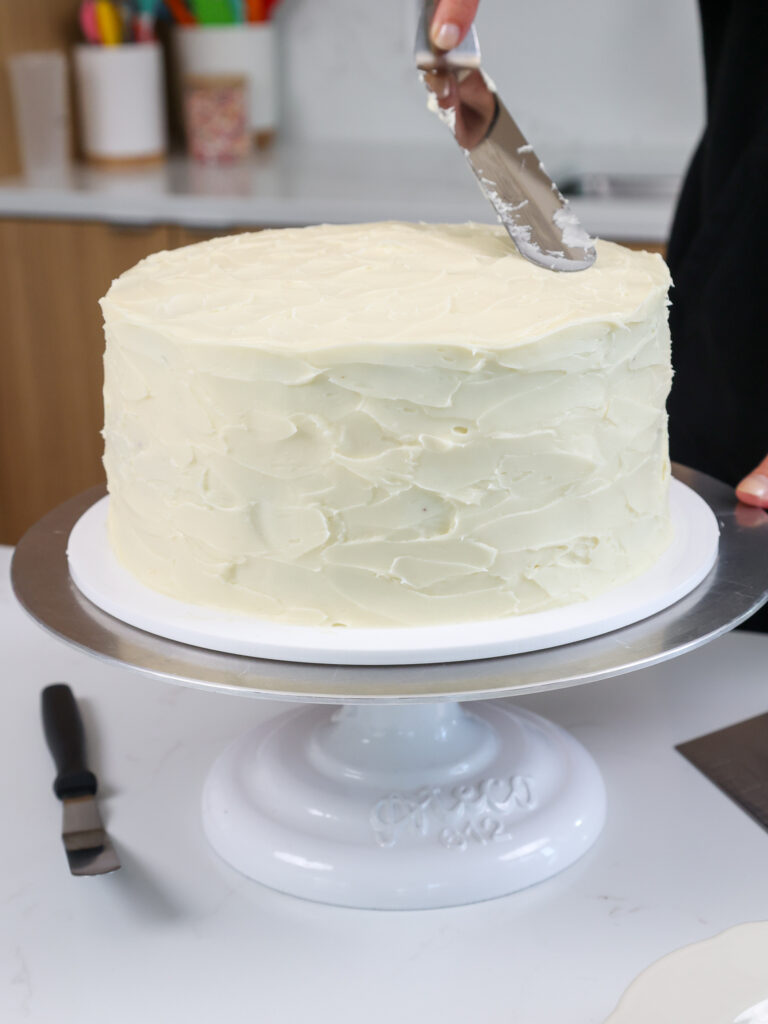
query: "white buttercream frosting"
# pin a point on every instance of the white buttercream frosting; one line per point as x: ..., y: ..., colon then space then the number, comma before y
x: 386, y: 424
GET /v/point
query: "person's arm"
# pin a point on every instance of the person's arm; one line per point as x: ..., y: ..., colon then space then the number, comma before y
x: 753, y: 489
x: 451, y: 22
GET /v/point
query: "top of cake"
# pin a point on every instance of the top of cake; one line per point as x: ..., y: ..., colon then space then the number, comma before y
x: 331, y: 285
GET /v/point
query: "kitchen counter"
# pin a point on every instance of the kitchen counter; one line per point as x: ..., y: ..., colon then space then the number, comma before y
x: 295, y: 185
x: 176, y: 935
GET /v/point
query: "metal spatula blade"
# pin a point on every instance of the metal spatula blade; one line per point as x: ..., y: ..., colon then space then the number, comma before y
x: 88, y: 847
x: 527, y: 202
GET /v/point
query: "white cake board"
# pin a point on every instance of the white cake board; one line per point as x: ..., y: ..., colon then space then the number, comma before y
x: 105, y: 582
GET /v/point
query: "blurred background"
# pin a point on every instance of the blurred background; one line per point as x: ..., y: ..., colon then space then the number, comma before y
x: 131, y: 127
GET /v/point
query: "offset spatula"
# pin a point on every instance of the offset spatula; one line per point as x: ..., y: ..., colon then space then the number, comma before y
x: 539, y: 220
x: 88, y: 846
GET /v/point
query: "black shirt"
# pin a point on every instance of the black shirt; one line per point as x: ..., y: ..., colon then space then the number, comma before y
x: 718, y: 256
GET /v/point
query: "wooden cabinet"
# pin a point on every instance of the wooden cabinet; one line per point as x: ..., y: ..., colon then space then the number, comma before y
x: 52, y: 275
x: 190, y: 236
x: 659, y: 247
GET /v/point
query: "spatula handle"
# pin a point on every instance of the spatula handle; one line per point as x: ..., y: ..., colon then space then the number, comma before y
x: 66, y: 740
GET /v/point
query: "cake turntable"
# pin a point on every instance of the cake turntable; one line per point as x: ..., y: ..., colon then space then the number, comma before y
x: 403, y: 796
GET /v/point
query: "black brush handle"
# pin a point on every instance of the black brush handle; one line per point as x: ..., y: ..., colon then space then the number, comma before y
x: 66, y: 741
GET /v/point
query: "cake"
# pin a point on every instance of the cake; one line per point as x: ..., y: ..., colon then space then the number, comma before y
x: 386, y: 424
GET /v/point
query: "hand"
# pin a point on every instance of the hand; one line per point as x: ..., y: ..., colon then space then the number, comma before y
x: 451, y: 22
x: 753, y: 489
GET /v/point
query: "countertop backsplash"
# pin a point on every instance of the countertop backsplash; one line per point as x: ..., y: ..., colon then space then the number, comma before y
x: 602, y: 85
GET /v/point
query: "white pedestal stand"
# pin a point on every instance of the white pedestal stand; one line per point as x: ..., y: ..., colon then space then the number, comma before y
x: 403, y: 798
x: 404, y: 807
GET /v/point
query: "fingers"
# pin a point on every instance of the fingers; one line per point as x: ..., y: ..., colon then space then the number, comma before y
x: 753, y: 489
x: 451, y: 22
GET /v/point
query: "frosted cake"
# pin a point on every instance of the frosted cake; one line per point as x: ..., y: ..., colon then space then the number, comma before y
x: 386, y: 424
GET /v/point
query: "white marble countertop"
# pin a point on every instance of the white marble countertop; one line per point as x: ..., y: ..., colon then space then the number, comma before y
x: 178, y: 936
x: 296, y: 185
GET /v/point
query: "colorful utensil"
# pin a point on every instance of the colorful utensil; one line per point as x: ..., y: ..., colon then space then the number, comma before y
x: 144, y: 21
x: 127, y: 27
x: 256, y: 10
x: 110, y: 25
x: 181, y: 13
x: 88, y: 22
x: 213, y: 12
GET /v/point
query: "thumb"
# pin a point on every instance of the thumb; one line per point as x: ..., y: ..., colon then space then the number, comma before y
x: 451, y: 22
x: 753, y: 489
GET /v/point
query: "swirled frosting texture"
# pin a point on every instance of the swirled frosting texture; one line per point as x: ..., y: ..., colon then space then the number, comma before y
x: 386, y: 424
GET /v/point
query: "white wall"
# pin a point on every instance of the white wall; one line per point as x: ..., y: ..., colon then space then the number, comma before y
x: 598, y: 84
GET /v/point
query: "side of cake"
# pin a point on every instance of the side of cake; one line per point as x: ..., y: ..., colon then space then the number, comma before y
x: 386, y: 424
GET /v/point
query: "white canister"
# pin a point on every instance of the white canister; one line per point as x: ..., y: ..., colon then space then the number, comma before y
x: 234, y: 50
x: 121, y: 101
